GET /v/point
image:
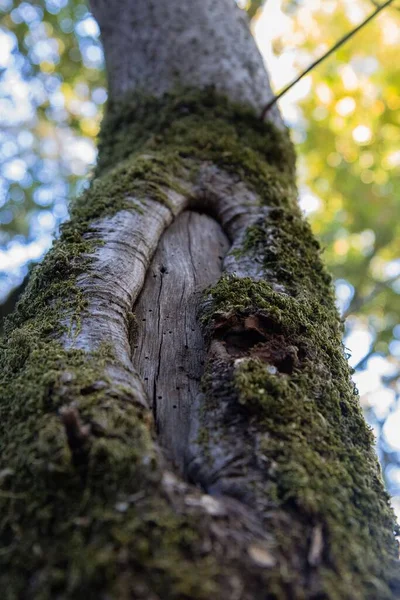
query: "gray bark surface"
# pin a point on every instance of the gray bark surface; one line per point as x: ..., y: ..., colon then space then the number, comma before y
x: 153, y: 46
x: 130, y: 239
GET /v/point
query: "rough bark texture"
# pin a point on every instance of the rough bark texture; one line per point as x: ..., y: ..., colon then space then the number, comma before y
x: 277, y: 493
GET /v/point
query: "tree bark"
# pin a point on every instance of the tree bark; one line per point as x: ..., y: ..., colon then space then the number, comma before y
x: 177, y: 415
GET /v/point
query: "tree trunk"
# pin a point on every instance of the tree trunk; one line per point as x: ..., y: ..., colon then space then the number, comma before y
x: 177, y: 415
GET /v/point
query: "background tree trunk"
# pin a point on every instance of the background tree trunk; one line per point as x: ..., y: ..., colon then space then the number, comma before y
x: 177, y: 415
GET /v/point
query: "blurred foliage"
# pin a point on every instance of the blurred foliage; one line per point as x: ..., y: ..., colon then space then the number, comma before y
x: 345, y: 120
x: 52, y: 86
x: 252, y: 7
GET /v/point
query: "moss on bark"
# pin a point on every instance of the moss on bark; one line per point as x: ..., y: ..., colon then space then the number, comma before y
x: 312, y: 437
x: 86, y: 508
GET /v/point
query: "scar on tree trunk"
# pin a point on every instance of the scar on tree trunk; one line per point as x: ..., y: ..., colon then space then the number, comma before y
x: 169, y: 352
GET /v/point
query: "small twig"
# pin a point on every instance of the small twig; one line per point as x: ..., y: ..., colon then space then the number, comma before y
x: 338, y: 44
x: 375, y: 3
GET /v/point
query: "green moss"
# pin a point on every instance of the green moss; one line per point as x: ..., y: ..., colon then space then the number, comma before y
x: 284, y: 246
x: 317, y: 449
x: 232, y: 294
x: 77, y: 530
x: 138, y: 177
x: 328, y: 472
x: 91, y: 521
x: 195, y: 126
x: 79, y: 522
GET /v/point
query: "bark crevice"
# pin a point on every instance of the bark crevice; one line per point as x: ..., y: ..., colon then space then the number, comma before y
x: 169, y: 351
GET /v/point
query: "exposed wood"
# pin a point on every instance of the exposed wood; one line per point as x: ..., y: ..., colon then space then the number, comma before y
x: 169, y: 351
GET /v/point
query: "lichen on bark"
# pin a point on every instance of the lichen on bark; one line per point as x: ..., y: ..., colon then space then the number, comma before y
x: 88, y: 507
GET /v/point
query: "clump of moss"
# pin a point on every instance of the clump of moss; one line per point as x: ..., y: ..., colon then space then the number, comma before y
x: 232, y: 294
x: 106, y: 524
x: 287, y: 251
x: 326, y: 469
x: 197, y: 126
x: 317, y: 450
